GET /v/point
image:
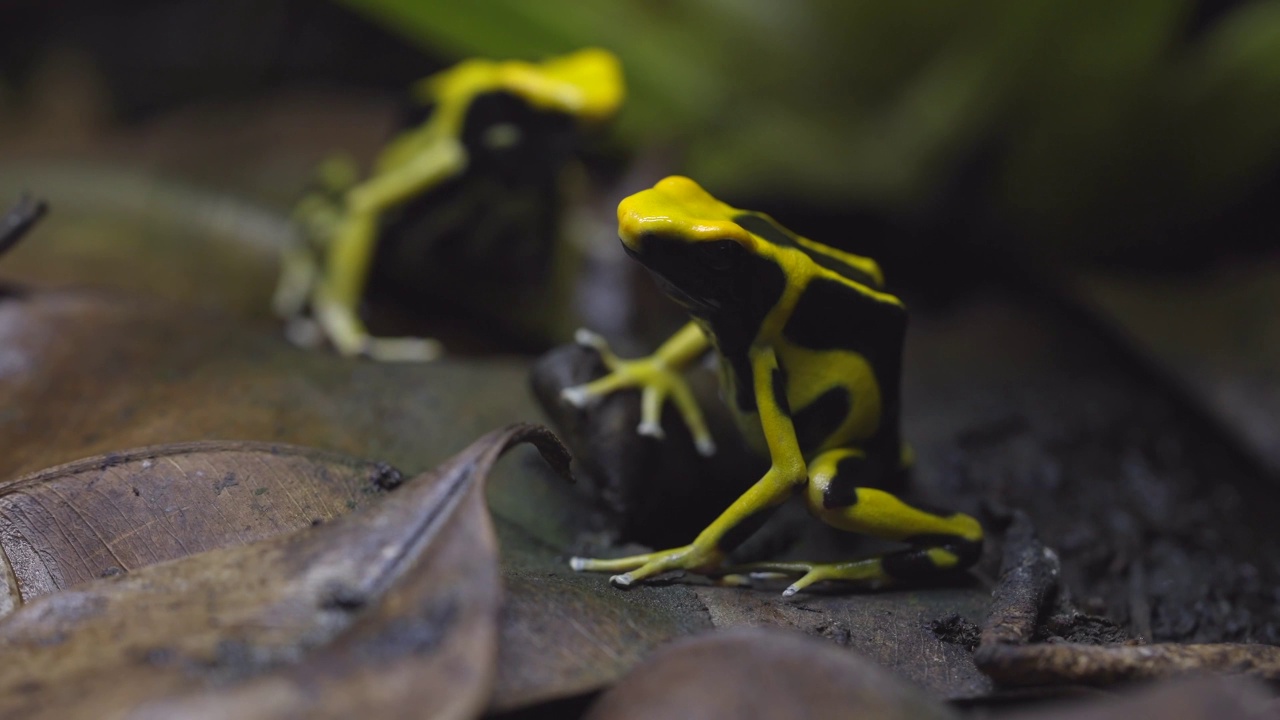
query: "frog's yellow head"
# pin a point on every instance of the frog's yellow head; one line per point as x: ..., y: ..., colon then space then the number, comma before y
x: 586, y: 85
x: 690, y: 242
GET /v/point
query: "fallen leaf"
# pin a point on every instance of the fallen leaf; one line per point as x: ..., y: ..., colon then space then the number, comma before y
x: 761, y: 673
x: 118, y: 512
x: 85, y: 373
x: 391, y: 610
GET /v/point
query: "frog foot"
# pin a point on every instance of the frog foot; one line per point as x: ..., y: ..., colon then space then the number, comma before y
x: 866, y: 571
x: 657, y: 381
x: 349, y: 337
x: 641, y: 567
x: 403, y: 349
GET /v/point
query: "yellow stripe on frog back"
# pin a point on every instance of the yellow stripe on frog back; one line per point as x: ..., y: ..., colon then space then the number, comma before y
x: 680, y: 206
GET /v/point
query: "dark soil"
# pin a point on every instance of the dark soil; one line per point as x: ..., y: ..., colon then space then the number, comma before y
x: 1161, y: 522
x: 957, y: 631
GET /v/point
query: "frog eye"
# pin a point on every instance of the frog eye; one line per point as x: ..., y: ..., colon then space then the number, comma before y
x: 721, y: 255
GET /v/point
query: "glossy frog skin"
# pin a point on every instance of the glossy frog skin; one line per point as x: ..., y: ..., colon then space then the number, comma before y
x: 810, y: 352
x: 486, y: 160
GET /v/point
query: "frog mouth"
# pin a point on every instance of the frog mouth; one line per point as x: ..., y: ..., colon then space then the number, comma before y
x: 695, y: 305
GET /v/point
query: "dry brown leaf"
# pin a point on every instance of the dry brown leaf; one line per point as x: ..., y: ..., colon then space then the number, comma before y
x: 119, y: 512
x: 389, y: 611
x: 759, y: 673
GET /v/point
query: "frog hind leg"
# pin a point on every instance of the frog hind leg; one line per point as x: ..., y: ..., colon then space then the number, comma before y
x: 349, y: 253
x: 937, y: 543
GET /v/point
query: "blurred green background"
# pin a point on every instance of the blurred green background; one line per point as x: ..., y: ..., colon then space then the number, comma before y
x: 1144, y: 132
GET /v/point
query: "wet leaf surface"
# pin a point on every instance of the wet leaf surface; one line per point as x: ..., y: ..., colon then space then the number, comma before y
x: 390, y: 611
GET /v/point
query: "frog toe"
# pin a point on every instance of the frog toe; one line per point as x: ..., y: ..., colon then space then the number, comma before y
x: 304, y: 333
x: 595, y: 341
x: 705, y: 445
x: 651, y: 429
x: 588, y: 338
x: 403, y: 349
x: 577, y: 396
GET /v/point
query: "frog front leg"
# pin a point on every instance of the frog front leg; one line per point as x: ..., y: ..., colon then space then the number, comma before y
x: 349, y: 254
x: 787, y: 473
x: 659, y: 376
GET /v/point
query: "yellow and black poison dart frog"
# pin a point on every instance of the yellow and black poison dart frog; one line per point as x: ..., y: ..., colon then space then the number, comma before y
x: 482, y: 168
x: 810, y: 350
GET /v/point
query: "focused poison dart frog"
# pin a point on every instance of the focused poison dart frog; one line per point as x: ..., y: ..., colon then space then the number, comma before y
x: 810, y: 355
x: 472, y: 185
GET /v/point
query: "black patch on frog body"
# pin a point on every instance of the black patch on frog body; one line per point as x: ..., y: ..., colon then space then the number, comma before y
x: 770, y: 231
x: 723, y: 284
x: 778, y: 380
x: 816, y: 421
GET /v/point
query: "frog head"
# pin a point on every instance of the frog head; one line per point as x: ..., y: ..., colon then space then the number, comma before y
x: 699, y: 254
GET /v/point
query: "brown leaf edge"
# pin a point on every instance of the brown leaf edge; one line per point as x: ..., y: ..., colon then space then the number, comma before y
x: 421, y: 638
x: 338, y: 681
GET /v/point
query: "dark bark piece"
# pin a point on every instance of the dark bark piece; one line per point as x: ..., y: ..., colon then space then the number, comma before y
x: 391, y: 610
x: 657, y: 492
x: 1028, y: 579
x: 1105, y: 665
x: 762, y: 673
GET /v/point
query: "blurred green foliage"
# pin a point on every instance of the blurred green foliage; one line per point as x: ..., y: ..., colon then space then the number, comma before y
x: 1109, y: 117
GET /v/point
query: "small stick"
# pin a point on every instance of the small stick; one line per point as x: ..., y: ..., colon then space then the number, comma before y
x: 1028, y: 578
x: 1139, y: 606
x: 20, y: 218
x: 1102, y: 665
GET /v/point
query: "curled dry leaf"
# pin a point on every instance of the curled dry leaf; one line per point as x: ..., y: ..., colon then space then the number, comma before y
x: 388, y: 611
x: 759, y: 673
x: 119, y: 512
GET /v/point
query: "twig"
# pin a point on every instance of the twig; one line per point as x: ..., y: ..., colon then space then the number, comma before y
x: 1028, y: 577
x: 20, y: 218
x: 1101, y: 665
